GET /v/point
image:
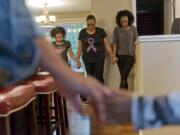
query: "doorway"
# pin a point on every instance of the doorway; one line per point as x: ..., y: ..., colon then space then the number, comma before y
x: 150, y: 17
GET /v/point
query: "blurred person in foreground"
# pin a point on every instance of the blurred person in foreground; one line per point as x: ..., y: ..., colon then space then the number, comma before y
x: 23, y: 48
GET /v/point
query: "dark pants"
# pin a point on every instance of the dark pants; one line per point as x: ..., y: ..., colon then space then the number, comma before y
x: 125, y: 64
x: 95, y: 70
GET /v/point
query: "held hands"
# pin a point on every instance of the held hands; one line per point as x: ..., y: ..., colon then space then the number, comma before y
x: 114, y: 59
x: 110, y: 107
x: 89, y: 87
x: 78, y: 64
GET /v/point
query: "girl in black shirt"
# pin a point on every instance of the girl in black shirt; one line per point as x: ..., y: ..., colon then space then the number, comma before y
x: 62, y: 46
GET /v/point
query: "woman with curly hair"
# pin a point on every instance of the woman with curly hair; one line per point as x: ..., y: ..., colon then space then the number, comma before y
x: 62, y: 46
x: 124, y: 37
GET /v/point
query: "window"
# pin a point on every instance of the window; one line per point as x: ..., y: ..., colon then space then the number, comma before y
x: 72, y: 33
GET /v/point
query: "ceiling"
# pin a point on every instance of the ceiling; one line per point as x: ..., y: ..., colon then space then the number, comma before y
x: 56, y: 6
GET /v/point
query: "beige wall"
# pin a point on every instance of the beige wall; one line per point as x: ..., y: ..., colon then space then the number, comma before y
x: 105, y: 11
x: 72, y: 16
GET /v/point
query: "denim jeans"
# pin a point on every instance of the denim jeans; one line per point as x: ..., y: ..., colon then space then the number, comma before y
x: 19, y: 56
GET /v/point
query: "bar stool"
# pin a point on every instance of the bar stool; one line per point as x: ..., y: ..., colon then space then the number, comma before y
x: 13, y: 100
x: 45, y: 88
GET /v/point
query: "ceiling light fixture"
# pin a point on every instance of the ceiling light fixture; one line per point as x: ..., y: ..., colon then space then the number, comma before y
x: 45, y: 18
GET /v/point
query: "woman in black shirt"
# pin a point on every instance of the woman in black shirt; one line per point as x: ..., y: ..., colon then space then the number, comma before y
x: 92, y: 45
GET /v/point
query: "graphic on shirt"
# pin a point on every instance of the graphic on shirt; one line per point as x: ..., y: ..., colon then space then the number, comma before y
x: 60, y: 50
x: 91, y: 45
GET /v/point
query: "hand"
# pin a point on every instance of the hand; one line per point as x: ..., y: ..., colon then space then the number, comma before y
x: 88, y: 87
x: 114, y: 59
x: 71, y: 84
x: 78, y: 64
x: 118, y: 108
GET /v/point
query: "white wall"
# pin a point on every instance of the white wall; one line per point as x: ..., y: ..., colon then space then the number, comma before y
x: 158, y: 64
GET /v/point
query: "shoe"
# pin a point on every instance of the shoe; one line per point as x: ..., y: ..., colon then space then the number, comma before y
x: 84, y: 99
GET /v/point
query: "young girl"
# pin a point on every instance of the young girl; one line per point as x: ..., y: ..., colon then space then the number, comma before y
x: 62, y: 46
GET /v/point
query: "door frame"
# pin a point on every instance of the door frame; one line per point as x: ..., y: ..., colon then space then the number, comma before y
x: 134, y: 11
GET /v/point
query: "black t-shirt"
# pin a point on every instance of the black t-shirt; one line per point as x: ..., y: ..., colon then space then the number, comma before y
x: 93, y: 45
x: 62, y: 49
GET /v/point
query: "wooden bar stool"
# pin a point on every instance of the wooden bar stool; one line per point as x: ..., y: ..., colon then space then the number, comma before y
x: 49, y: 105
x: 63, y: 104
x: 13, y: 100
x: 65, y: 113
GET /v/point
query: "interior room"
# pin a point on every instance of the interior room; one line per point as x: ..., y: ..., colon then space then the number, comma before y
x: 89, y: 67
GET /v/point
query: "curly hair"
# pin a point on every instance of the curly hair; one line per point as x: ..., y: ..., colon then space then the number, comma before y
x: 52, y: 32
x: 58, y: 30
x: 122, y: 13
